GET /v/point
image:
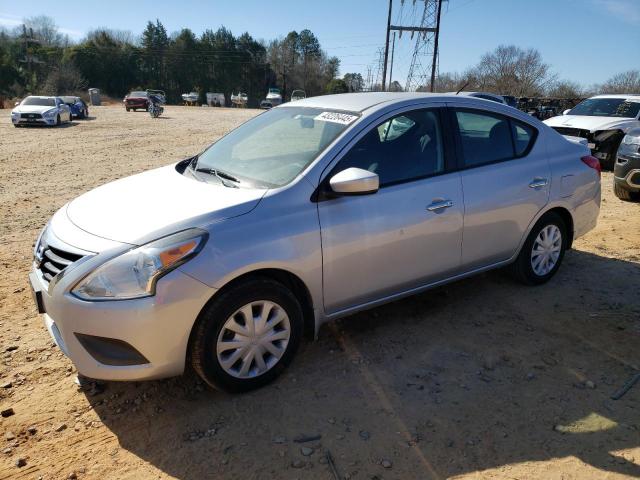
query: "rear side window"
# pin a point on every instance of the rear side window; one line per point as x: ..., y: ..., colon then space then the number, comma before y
x: 523, y: 136
x: 487, y: 137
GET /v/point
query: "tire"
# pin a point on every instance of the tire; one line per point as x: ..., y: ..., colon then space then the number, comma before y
x: 58, y: 121
x: 210, y: 334
x: 623, y: 194
x: 127, y: 109
x: 523, y: 268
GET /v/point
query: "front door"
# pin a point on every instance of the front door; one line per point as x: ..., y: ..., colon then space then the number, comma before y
x: 407, y: 234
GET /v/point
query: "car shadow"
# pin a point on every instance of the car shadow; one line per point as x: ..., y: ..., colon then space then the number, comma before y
x: 62, y: 125
x: 479, y: 374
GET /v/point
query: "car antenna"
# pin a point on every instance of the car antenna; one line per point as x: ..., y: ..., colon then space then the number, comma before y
x: 462, y: 88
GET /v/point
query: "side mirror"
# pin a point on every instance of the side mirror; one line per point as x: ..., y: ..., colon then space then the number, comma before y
x: 354, y: 181
x: 16, y: 104
x: 566, y: 112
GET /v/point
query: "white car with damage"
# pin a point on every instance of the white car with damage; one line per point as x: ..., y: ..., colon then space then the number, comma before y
x: 603, y: 120
x: 36, y: 110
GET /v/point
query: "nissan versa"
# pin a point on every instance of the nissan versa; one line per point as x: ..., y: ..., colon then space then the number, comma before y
x: 308, y: 212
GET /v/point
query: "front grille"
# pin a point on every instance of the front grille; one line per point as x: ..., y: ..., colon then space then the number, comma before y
x: 53, y: 261
x: 30, y: 115
x: 575, y: 132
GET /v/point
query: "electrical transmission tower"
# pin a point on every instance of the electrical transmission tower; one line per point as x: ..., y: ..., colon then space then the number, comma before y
x: 424, y: 61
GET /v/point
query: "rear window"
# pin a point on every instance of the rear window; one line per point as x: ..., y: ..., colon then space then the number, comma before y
x: 138, y: 94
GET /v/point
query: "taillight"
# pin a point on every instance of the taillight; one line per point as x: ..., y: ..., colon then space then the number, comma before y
x: 592, y: 162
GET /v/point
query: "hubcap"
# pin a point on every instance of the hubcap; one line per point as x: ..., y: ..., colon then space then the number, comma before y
x: 546, y: 250
x: 253, y: 339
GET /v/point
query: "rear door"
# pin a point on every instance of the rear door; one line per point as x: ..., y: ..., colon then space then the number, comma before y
x: 409, y: 232
x: 505, y: 179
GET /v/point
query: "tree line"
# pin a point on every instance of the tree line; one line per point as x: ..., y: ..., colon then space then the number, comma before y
x: 36, y: 58
x: 510, y: 70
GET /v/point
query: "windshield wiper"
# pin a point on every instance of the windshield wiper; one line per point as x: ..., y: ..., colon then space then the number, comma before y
x: 222, y: 176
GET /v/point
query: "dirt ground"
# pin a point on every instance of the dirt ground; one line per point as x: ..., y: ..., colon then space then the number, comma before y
x: 483, y: 378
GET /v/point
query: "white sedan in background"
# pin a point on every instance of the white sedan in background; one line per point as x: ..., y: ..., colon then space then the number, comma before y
x: 35, y: 110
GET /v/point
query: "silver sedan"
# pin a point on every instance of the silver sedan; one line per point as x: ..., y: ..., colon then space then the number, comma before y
x: 309, y: 212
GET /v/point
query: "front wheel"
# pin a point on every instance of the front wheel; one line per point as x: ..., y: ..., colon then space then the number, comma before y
x: 247, y: 336
x: 543, y: 251
x: 58, y: 122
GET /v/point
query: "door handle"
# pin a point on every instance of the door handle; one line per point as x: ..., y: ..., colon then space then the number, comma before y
x: 538, y: 183
x: 440, y: 205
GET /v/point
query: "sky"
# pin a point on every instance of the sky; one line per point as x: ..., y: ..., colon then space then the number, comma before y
x: 586, y: 41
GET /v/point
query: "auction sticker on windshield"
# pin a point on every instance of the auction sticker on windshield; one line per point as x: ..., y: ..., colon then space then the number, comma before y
x: 335, y: 117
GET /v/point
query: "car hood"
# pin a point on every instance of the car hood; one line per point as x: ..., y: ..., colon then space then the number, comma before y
x: 132, y: 208
x: 592, y: 124
x: 32, y: 108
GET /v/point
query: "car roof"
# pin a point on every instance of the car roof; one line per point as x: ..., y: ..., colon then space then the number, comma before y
x: 41, y: 96
x: 359, y: 102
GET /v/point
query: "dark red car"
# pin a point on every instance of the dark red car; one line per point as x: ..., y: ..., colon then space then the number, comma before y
x: 136, y: 100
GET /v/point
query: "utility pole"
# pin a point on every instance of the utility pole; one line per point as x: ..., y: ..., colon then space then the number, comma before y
x: 393, y: 49
x: 284, y: 81
x: 386, y: 48
x: 435, y: 49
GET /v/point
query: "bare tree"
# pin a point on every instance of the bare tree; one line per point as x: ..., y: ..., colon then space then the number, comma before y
x: 513, y: 71
x: 46, y: 30
x: 566, y: 89
x: 64, y: 80
x: 625, y: 82
x: 446, y: 82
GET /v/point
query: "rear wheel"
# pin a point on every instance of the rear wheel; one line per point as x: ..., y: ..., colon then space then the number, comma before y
x: 247, y: 336
x: 624, y: 194
x: 542, y: 252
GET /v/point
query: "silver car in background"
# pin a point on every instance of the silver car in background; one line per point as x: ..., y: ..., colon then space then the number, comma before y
x: 308, y: 212
x: 35, y: 110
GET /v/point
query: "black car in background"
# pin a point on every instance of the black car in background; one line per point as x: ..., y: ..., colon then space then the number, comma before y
x: 626, y: 171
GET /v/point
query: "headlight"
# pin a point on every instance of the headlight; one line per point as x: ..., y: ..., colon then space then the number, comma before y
x: 631, y: 140
x: 15, y: 114
x: 134, y: 273
x: 50, y: 113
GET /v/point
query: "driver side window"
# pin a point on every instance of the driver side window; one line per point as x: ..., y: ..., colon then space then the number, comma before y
x: 406, y: 147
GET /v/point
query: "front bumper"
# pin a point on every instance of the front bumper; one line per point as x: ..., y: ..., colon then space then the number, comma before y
x: 136, y: 104
x: 33, y: 121
x: 603, y: 143
x: 157, y: 327
x: 626, y: 171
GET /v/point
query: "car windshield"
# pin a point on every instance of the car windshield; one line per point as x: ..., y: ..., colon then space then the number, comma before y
x: 607, y: 107
x: 271, y: 149
x: 45, y: 102
x: 138, y: 94
x: 69, y: 99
